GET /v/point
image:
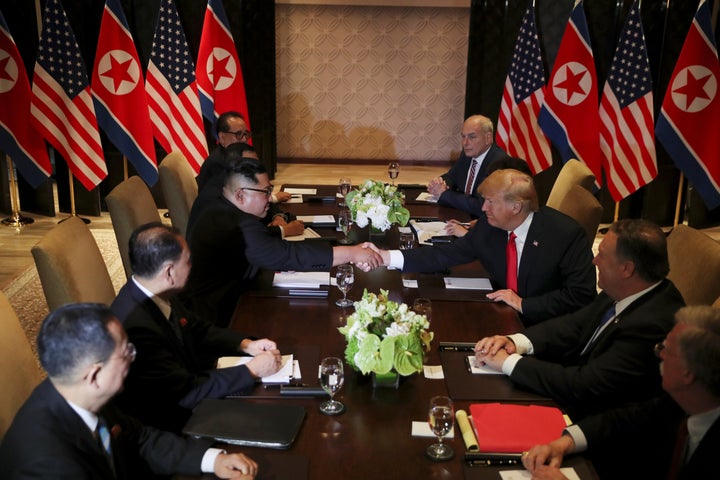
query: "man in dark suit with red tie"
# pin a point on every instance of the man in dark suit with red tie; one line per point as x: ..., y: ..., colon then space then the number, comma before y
x: 600, y: 356
x: 675, y: 436
x: 68, y: 427
x: 480, y: 157
x: 551, y: 271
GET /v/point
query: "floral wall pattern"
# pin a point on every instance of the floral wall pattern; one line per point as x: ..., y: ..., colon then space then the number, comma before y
x: 369, y: 82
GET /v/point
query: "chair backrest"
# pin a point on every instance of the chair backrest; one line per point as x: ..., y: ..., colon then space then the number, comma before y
x: 694, y: 265
x: 130, y: 205
x: 574, y: 172
x: 19, y: 372
x: 582, y: 205
x: 71, y: 267
x: 179, y: 187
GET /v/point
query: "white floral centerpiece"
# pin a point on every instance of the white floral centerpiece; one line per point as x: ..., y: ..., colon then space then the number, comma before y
x: 384, y: 336
x: 378, y: 203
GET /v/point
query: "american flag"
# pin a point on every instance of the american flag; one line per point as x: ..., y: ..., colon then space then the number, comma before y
x: 569, y: 116
x: 518, y: 132
x: 219, y: 74
x: 627, y: 139
x: 172, y: 90
x: 18, y: 137
x: 120, y: 99
x: 62, y: 107
x: 691, y: 107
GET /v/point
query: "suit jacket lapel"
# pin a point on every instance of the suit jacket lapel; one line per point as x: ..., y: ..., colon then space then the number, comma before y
x: 531, y: 250
x: 146, y: 303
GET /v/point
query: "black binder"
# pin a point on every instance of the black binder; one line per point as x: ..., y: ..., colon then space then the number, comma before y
x: 240, y: 422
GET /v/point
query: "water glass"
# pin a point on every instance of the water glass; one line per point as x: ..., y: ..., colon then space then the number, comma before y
x: 344, y: 278
x: 344, y: 186
x: 345, y: 224
x: 331, y: 379
x: 393, y: 171
x: 441, y: 416
x: 423, y: 306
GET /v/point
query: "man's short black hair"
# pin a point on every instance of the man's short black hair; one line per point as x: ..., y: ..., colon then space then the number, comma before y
x: 74, y: 335
x: 151, y: 245
x: 221, y: 125
x: 248, y: 168
x: 645, y: 244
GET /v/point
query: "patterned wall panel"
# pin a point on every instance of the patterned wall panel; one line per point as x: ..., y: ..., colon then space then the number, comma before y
x: 370, y: 83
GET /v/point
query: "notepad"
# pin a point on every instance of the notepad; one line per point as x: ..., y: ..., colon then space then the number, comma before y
x: 290, y: 369
x: 427, y: 197
x: 241, y: 422
x: 509, y: 428
x: 462, y: 283
x: 301, y: 191
x: 328, y: 220
x: 300, y: 279
x: 425, y: 230
x: 307, y: 233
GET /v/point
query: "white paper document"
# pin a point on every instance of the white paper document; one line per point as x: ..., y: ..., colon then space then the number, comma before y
x: 301, y: 191
x: 311, y: 219
x: 289, y: 370
x: 307, y: 233
x: 301, y: 279
x: 569, y: 472
x: 422, y: 429
x: 434, y: 372
x: 425, y: 230
x: 427, y: 197
x: 481, y: 369
x: 468, y: 283
x: 296, y: 198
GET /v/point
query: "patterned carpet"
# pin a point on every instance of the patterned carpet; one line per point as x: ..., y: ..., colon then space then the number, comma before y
x: 26, y: 295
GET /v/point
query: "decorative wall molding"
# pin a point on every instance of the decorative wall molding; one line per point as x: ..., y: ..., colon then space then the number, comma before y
x: 368, y: 82
x: 381, y: 3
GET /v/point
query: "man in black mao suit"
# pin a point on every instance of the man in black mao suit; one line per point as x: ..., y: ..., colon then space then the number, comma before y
x: 644, y: 440
x: 555, y: 274
x: 86, y: 355
x: 477, y: 143
x: 586, y: 368
x: 229, y: 245
x: 177, y: 350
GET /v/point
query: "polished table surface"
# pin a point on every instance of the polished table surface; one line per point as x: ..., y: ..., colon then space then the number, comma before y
x: 372, y: 439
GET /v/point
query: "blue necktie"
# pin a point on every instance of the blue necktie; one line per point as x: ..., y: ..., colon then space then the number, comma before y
x: 609, y: 313
x: 103, y: 435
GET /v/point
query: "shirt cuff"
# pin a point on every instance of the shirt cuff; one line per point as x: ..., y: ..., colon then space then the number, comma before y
x: 273, y: 198
x: 282, y: 232
x: 208, y: 461
x: 397, y: 260
x: 509, y: 364
x: 578, y: 437
x: 523, y: 345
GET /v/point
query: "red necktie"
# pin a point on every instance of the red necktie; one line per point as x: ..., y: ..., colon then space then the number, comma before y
x: 511, y: 262
x: 471, y: 178
x: 678, y: 458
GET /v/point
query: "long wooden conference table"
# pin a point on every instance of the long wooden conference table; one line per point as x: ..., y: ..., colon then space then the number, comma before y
x: 372, y: 439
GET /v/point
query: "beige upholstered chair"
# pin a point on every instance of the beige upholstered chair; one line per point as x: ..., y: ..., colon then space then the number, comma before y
x: 694, y: 265
x: 19, y: 372
x: 71, y: 267
x: 574, y: 172
x: 130, y: 205
x: 582, y: 205
x: 179, y: 187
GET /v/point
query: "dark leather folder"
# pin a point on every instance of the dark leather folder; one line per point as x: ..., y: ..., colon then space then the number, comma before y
x: 240, y: 422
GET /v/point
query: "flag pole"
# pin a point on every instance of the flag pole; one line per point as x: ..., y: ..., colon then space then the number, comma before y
x: 617, y: 211
x: 677, y: 201
x: 72, y: 200
x: 16, y: 220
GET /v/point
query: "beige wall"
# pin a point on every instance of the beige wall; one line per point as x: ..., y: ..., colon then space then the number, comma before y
x: 370, y: 82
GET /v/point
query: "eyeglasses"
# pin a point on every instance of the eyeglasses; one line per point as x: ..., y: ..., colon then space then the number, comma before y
x: 241, y: 134
x: 267, y: 191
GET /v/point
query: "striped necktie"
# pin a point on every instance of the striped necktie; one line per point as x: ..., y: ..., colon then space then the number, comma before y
x: 103, y: 436
x: 471, y: 177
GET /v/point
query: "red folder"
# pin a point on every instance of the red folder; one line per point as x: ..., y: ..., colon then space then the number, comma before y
x: 508, y: 428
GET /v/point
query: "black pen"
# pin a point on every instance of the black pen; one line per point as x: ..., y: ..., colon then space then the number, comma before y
x: 492, y: 463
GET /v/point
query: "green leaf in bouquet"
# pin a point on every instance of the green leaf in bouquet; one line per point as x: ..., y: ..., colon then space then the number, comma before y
x: 408, y: 354
x: 374, y: 355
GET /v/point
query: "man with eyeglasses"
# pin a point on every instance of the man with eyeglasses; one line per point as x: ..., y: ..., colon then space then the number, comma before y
x: 229, y: 245
x: 178, y: 348
x: 480, y: 156
x: 70, y: 428
x: 673, y: 436
x: 230, y: 128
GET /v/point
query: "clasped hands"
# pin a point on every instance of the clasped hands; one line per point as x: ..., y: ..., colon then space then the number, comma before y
x: 492, y: 351
x: 267, y: 359
x: 437, y: 186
